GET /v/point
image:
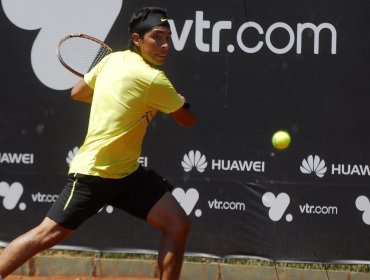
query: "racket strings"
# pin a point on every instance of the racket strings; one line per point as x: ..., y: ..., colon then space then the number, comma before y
x: 102, y: 52
x: 82, y: 54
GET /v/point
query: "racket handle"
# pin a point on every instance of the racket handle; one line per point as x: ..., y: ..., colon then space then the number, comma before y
x: 186, y: 105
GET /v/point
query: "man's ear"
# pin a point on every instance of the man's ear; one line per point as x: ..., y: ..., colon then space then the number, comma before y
x: 136, y: 39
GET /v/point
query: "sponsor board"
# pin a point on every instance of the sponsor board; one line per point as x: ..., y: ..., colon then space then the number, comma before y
x: 195, y: 160
x: 315, y: 165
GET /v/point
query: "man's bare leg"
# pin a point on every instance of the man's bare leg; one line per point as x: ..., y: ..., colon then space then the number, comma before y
x: 168, y: 216
x: 170, y: 257
x: 21, y: 249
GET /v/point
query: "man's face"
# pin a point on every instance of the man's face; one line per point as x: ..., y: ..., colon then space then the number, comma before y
x: 155, y: 45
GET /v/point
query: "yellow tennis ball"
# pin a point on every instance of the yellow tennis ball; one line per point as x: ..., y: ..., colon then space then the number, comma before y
x: 281, y: 140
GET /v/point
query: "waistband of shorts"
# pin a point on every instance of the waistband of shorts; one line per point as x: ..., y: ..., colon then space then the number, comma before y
x: 80, y: 175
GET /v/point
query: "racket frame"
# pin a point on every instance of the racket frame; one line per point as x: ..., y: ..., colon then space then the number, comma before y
x: 104, y: 45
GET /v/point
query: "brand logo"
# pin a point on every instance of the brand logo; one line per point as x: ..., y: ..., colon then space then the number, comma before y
x: 48, y: 198
x: 226, y: 205
x: 278, y: 205
x: 163, y: 19
x: 15, y: 158
x: 350, y: 169
x: 71, y: 154
x: 50, y: 22
x: 109, y: 209
x: 313, y: 164
x: 11, y: 195
x: 318, y: 209
x: 363, y: 204
x: 187, y: 200
x: 143, y: 161
x: 194, y: 160
x: 238, y: 165
x: 48, y: 70
x: 220, y: 28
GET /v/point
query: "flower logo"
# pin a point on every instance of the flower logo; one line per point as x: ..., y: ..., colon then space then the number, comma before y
x: 194, y: 160
x: 313, y: 164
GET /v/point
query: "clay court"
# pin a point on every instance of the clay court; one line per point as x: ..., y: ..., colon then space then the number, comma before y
x: 74, y: 278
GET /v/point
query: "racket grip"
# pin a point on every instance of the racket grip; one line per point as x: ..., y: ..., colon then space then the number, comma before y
x: 186, y: 105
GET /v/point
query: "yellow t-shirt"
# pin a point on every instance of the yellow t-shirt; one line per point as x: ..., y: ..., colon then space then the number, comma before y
x: 128, y: 92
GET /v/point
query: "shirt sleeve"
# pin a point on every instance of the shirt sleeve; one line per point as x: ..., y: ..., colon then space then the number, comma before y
x: 90, y: 77
x: 163, y: 96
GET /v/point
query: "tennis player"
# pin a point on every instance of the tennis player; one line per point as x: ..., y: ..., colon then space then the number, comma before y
x: 125, y: 90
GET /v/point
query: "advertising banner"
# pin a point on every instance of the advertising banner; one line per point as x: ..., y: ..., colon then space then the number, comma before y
x: 249, y: 69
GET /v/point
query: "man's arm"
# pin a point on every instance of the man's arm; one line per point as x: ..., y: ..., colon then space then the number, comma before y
x: 82, y: 92
x: 184, y: 117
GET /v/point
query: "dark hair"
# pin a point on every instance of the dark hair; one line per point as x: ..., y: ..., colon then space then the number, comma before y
x: 140, y: 16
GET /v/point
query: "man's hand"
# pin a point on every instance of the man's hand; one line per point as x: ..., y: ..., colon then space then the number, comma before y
x: 82, y: 92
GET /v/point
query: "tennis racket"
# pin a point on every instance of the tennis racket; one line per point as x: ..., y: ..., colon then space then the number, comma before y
x: 79, y: 53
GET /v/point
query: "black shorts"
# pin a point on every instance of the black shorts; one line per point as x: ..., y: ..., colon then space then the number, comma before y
x: 85, y: 195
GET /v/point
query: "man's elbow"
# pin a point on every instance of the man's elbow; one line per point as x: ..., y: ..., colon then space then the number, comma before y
x: 189, y: 123
x: 74, y: 95
x: 81, y: 95
x: 187, y: 120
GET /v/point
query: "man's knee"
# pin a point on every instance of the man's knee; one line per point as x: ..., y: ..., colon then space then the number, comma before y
x: 168, y: 216
x: 49, y: 233
x: 180, y: 229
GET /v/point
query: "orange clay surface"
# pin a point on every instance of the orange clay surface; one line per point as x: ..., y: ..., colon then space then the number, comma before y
x: 15, y: 277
